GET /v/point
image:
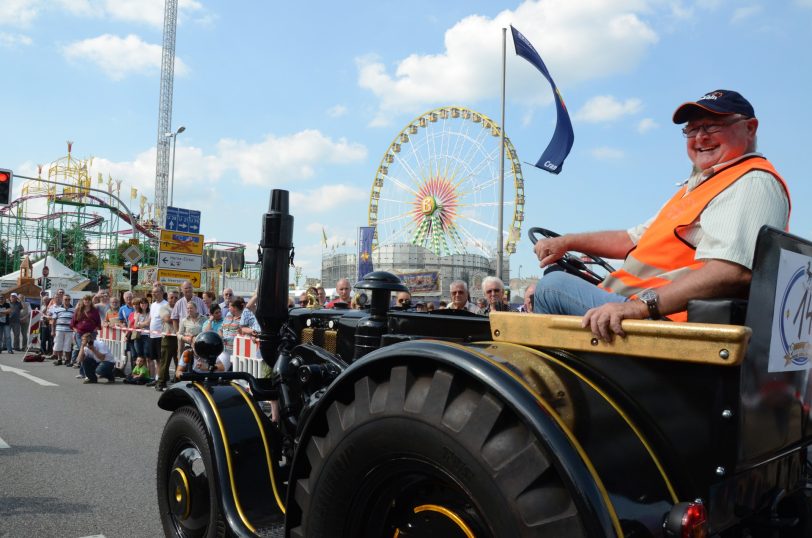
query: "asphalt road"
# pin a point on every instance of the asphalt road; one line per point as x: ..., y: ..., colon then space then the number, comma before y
x: 76, y: 460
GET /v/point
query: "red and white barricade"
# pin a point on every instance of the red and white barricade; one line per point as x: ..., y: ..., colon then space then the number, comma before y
x: 246, y: 356
x: 114, y: 337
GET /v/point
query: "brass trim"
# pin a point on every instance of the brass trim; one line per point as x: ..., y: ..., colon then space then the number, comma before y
x: 660, y: 467
x: 558, y: 420
x: 228, y: 455
x: 705, y: 343
x: 188, y: 508
x: 447, y: 513
x: 242, y: 392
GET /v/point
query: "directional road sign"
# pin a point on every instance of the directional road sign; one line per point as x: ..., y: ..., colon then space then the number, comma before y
x: 132, y: 254
x: 180, y: 242
x: 183, y: 220
x: 180, y: 262
x: 169, y: 276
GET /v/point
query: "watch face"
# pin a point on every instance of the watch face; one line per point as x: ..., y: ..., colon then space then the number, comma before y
x: 648, y: 296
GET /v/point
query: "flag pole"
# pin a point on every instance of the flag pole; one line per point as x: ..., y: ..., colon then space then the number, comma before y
x: 499, y: 241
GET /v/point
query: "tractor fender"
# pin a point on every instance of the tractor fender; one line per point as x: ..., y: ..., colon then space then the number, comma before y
x: 245, y: 448
x: 595, y: 506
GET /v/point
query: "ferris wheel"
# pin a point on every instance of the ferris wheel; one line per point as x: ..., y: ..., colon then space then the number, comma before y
x: 438, y: 186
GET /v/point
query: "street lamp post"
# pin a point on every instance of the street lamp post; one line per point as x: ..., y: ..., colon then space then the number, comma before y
x: 174, y: 137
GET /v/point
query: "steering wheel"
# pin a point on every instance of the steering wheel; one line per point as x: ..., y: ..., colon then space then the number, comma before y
x: 572, y: 263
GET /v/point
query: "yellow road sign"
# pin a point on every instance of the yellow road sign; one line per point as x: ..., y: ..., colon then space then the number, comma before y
x: 172, y: 277
x: 181, y: 242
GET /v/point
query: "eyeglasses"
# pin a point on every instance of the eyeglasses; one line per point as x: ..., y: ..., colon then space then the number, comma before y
x: 497, y: 290
x: 709, y: 128
x: 460, y: 292
x: 402, y: 301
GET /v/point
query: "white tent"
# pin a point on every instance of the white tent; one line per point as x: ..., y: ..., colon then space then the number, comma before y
x: 60, y: 276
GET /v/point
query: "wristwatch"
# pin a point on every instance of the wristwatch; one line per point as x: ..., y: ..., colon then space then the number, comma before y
x: 652, y: 301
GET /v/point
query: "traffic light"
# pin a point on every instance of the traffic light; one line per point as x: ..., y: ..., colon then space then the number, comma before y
x: 6, y: 177
x: 125, y: 272
x: 134, y: 275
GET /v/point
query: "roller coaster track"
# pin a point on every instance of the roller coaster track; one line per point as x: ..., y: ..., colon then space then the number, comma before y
x: 94, y: 222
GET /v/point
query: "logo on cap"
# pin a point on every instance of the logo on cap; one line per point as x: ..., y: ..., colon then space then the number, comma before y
x: 711, y: 96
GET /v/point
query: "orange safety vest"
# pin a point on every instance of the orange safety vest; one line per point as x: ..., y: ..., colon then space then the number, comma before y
x: 662, y: 255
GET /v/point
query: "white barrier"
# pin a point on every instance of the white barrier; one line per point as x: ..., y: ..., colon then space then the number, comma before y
x: 246, y: 357
x: 114, y: 338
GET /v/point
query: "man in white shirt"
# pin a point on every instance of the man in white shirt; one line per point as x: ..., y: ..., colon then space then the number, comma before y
x: 155, y: 327
x: 96, y: 358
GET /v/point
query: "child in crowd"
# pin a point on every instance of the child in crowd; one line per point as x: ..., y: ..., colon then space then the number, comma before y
x: 140, y: 373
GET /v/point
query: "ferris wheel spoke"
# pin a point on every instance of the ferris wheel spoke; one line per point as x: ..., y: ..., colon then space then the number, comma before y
x: 484, y: 204
x: 398, y: 183
x: 394, y: 218
x: 472, y: 239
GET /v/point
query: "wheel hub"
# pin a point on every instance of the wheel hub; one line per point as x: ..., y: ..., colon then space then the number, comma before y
x: 188, y: 492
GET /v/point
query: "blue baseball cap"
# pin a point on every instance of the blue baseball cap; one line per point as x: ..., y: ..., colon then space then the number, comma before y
x: 723, y: 102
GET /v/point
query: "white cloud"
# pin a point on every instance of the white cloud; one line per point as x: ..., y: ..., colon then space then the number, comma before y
x: 578, y: 41
x: 646, y: 125
x: 337, y: 111
x: 288, y: 158
x: 607, y: 154
x: 18, y: 12
x: 11, y: 41
x: 603, y: 108
x: 742, y: 13
x: 325, y: 199
x: 121, y: 56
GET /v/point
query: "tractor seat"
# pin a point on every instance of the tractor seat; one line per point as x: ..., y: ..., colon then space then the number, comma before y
x: 726, y: 311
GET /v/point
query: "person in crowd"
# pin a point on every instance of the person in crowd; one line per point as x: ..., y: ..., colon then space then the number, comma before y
x: 403, y: 300
x: 248, y: 322
x: 190, y: 326
x: 322, y: 295
x: 5, y: 325
x: 96, y: 359
x: 111, y: 318
x: 228, y: 295
x: 155, y: 327
x: 139, y: 375
x: 46, y: 344
x: 15, y: 309
x: 430, y: 306
x: 86, y: 318
x: 700, y: 245
x: 102, y: 302
x: 63, y: 334
x: 527, y: 306
x: 25, y: 324
x: 139, y: 323
x: 481, y: 305
x: 209, y: 297
x: 124, y: 313
x: 169, y: 348
x: 231, y: 326
x: 420, y: 306
x: 344, y: 290
x: 252, y: 302
x: 442, y: 304
x: 460, y: 297
x: 494, y: 291
x: 215, y: 319
x: 181, y: 308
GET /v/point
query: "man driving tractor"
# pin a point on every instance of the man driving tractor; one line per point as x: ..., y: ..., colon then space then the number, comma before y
x: 701, y: 242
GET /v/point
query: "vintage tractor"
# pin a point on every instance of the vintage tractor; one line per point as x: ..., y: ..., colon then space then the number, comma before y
x: 392, y: 423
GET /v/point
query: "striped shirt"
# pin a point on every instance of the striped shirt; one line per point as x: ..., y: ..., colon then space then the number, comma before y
x: 63, y: 317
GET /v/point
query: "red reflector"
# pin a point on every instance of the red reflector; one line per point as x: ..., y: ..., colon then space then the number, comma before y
x: 695, y: 521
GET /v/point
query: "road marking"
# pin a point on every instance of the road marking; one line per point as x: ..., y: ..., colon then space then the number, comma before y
x: 3, y: 444
x: 94, y: 536
x: 22, y: 373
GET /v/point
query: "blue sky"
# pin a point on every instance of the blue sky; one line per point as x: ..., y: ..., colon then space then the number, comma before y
x: 307, y: 96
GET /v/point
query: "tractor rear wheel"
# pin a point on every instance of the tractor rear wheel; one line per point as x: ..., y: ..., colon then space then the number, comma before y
x: 423, y: 451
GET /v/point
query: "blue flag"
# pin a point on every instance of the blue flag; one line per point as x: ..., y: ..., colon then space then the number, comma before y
x: 365, y: 235
x: 552, y: 160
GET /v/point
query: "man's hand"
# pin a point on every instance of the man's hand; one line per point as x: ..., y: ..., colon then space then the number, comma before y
x: 604, y: 321
x: 550, y: 250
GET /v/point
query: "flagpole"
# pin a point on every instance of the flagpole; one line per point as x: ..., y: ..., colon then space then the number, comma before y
x: 499, y: 240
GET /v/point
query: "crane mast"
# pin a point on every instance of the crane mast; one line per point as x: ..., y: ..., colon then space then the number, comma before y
x: 165, y: 111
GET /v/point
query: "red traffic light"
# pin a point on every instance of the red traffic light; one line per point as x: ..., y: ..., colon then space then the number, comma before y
x: 5, y: 176
x: 134, y: 268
